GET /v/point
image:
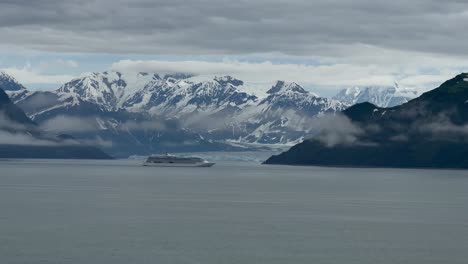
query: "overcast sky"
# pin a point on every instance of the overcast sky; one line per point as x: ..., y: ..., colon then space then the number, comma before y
x: 321, y: 44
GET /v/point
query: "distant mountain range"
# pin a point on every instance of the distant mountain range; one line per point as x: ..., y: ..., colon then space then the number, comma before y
x: 379, y: 96
x: 140, y: 113
x: 20, y: 137
x: 429, y: 131
x: 146, y: 113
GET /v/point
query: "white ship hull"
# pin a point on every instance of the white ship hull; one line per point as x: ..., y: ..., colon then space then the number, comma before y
x: 200, y: 164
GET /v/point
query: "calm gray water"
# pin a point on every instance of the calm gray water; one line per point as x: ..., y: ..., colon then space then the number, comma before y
x: 120, y: 212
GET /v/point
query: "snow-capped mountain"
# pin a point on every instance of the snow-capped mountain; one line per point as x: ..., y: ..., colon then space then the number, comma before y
x: 12, y: 87
x: 216, y: 104
x: 183, y: 97
x: 292, y: 96
x: 380, y: 96
x: 109, y: 90
x: 173, y: 94
x: 284, y: 115
x: 8, y: 83
x: 141, y: 109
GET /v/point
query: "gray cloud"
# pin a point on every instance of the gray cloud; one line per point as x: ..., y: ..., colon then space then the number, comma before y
x: 74, y: 124
x: 143, y: 125
x: 13, y: 133
x: 7, y: 124
x: 336, y: 130
x: 67, y: 124
x: 23, y: 139
x: 295, y: 27
x: 262, y: 75
x: 441, y: 127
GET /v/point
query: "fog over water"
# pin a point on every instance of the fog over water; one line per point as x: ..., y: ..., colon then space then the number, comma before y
x: 55, y: 211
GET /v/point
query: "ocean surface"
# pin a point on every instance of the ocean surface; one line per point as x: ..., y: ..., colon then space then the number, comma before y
x: 56, y: 211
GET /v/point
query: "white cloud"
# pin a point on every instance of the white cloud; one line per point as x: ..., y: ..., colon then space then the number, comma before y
x: 410, y: 69
x: 336, y: 130
x: 73, y: 124
x: 66, y: 124
x: 29, y: 75
x: 23, y: 139
x: 59, y: 63
x: 352, y: 65
x: 260, y: 72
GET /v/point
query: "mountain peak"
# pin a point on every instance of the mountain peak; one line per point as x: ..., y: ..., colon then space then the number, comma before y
x: 459, y: 82
x: 144, y: 74
x: 282, y: 87
x: 9, y: 83
x: 109, y: 89
x: 455, y: 88
x: 178, y: 75
x: 223, y: 80
x: 463, y: 76
x: 351, y: 91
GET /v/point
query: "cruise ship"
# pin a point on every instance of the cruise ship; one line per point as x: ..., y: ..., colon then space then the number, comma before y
x: 174, y: 161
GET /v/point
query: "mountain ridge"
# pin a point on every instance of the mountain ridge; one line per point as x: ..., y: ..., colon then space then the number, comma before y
x: 429, y: 131
x: 216, y: 111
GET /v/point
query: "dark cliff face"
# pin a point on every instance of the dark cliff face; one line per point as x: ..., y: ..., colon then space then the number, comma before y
x: 429, y: 131
x: 11, y: 112
x: 4, y: 99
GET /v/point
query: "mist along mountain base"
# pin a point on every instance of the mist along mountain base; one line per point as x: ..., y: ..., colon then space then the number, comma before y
x: 429, y: 131
x: 20, y: 137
